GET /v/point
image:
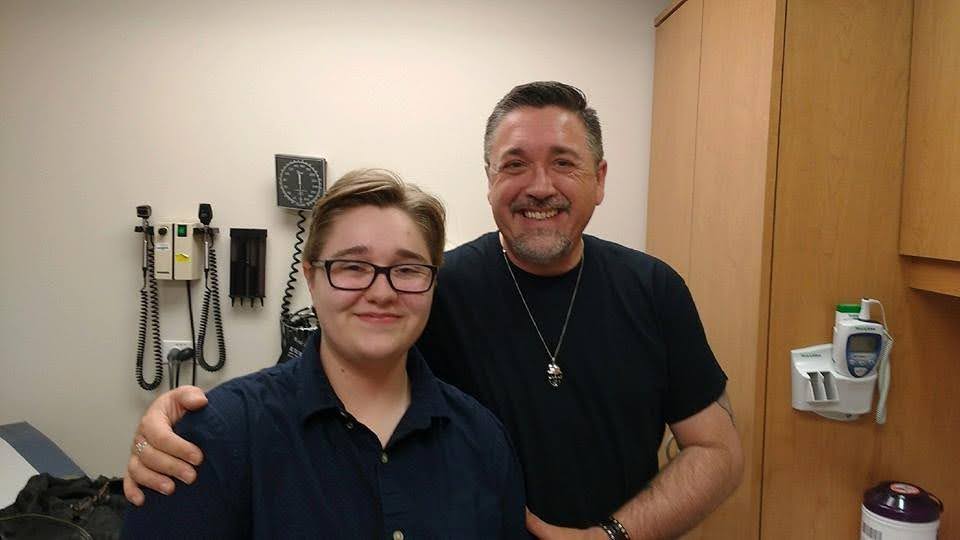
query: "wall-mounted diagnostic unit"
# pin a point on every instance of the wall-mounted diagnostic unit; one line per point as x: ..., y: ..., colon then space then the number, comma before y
x: 837, y: 380
x: 178, y: 250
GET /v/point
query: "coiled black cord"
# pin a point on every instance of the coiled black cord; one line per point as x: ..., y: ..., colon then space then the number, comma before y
x: 149, y: 312
x: 294, y: 268
x: 211, y: 296
x: 193, y: 338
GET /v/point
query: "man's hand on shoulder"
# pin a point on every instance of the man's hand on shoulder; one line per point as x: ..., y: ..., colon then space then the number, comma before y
x: 157, y: 453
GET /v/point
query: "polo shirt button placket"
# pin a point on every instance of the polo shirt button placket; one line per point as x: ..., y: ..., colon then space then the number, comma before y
x: 384, y: 459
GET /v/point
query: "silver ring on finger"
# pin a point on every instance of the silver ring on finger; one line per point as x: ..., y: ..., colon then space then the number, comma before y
x: 140, y: 446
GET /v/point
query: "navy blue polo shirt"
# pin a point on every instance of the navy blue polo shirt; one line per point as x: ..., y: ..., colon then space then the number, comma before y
x: 284, y: 459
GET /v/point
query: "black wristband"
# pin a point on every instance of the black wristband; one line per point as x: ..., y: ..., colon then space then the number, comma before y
x: 614, y: 529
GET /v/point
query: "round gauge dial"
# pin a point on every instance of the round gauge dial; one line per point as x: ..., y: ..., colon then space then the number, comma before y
x: 300, y: 181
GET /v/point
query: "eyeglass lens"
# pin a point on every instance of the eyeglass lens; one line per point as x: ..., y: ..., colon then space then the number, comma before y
x: 360, y: 275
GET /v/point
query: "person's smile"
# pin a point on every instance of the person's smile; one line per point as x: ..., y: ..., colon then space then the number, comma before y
x: 378, y: 317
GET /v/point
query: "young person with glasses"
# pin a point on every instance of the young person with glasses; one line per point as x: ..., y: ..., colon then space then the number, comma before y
x: 356, y: 438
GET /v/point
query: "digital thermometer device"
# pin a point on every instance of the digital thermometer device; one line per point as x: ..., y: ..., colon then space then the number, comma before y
x: 856, y: 347
x: 837, y: 380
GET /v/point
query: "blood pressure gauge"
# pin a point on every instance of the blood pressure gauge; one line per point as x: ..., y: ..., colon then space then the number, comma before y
x: 300, y: 181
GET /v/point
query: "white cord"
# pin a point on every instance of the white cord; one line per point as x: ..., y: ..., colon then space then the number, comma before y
x: 883, y: 369
x: 883, y: 378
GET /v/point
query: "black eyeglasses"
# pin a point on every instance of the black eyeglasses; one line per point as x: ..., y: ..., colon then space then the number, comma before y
x: 348, y: 275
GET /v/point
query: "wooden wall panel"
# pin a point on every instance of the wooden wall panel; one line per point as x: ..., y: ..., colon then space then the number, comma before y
x: 676, y: 75
x: 931, y: 192
x: 730, y: 212
x: 842, y: 126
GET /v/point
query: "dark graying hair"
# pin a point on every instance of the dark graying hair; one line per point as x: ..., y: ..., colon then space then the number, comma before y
x: 542, y: 94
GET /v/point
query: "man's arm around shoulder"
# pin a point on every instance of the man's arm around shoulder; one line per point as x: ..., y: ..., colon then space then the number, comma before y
x: 211, y: 506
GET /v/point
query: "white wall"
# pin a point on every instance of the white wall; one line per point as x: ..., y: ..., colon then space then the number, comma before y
x: 107, y: 105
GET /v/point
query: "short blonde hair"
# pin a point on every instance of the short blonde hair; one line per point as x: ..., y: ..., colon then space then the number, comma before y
x: 384, y: 189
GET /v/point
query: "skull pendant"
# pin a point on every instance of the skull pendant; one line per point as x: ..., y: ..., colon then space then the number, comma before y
x: 554, y: 374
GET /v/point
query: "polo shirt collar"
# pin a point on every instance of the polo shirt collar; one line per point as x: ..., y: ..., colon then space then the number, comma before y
x: 426, y: 400
x: 316, y: 395
x: 313, y: 388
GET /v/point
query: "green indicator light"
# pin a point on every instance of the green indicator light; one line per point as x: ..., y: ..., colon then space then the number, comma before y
x: 181, y: 230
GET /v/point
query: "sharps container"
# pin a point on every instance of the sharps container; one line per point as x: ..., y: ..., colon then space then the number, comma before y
x: 899, y: 511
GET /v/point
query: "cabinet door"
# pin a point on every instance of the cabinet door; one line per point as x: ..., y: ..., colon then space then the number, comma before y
x: 730, y: 227
x: 930, y: 222
x: 676, y: 75
x: 842, y: 120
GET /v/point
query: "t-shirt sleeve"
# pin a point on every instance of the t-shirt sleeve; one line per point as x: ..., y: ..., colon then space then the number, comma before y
x: 695, y: 379
x: 210, y: 507
x: 434, y: 342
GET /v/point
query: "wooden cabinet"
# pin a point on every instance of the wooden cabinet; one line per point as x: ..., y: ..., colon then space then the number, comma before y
x: 839, y: 171
x: 709, y: 198
x: 676, y: 82
x: 794, y: 206
x: 931, y: 184
x: 930, y: 222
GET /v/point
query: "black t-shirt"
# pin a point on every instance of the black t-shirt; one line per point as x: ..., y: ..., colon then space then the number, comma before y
x: 634, y: 358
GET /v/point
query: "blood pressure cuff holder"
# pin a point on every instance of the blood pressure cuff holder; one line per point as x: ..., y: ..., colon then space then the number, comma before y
x: 295, y: 330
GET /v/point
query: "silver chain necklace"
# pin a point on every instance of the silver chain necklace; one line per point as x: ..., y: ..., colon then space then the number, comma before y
x: 554, y: 373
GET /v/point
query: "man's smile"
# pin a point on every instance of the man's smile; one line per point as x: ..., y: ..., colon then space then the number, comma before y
x: 540, y: 214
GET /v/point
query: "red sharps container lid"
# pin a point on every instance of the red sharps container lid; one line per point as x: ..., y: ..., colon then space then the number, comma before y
x: 901, y: 501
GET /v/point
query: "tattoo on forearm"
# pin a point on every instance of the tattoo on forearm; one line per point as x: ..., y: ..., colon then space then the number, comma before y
x: 724, y: 403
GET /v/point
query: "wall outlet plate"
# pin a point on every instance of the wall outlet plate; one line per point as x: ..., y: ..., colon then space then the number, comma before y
x: 169, y: 344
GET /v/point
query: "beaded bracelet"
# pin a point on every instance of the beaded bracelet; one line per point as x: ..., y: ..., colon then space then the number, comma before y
x: 614, y: 529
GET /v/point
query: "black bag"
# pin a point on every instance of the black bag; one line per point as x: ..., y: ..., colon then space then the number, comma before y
x: 78, y: 508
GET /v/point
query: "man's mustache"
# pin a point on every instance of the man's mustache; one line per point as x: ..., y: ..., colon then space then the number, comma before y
x: 553, y: 203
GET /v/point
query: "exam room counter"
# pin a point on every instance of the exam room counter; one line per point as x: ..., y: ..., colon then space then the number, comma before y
x: 44, y: 494
x: 25, y: 452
